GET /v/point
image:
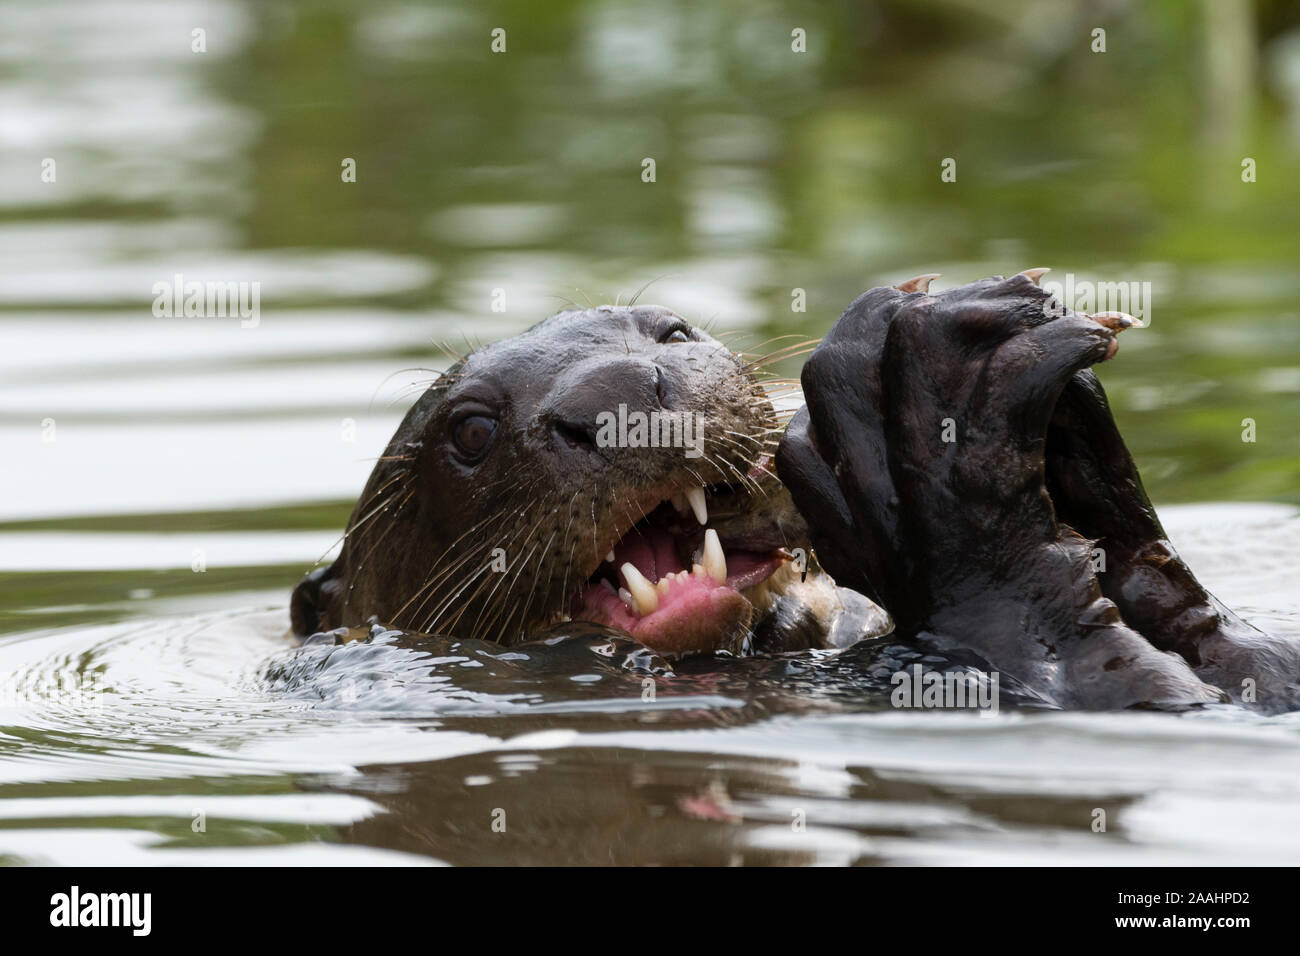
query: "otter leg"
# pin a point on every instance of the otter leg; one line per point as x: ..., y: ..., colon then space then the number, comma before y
x: 928, y: 415
x: 833, y: 456
x: 312, y: 597
x: 1096, y: 489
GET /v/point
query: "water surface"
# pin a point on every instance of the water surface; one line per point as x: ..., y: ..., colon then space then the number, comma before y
x: 167, y: 480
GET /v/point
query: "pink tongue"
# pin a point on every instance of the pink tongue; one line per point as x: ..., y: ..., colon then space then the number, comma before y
x: 651, y: 551
x: 695, y: 614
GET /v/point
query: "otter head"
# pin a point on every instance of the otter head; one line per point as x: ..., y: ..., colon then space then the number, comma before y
x: 610, y: 465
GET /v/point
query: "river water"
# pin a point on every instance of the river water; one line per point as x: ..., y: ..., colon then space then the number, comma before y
x: 166, y: 480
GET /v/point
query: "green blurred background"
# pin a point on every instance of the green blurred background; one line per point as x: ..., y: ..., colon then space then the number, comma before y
x: 521, y: 171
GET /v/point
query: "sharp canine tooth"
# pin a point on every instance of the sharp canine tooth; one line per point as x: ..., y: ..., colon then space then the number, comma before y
x: 714, y: 559
x: 643, y: 592
x: 696, y: 497
x: 610, y: 557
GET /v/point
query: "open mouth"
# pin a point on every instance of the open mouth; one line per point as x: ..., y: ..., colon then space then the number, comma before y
x: 677, y: 585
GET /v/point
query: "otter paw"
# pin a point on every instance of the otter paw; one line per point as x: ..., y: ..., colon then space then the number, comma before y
x: 972, y: 375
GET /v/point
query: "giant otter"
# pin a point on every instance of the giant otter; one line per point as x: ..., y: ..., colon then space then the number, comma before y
x: 500, y: 507
x: 956, y: 462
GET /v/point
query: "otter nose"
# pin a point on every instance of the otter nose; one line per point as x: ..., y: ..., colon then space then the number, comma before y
x: 585, y: 394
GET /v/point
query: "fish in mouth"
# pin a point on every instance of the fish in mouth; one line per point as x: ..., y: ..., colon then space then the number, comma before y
x: 505, y: 505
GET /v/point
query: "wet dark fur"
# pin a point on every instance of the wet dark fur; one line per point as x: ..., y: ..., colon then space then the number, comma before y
x: 419, y: 549
x: 986, y: 542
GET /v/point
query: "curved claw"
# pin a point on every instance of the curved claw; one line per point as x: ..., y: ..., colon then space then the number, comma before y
x: 1115, y: 321
x: 1034, y: 274
x: 919, y: 284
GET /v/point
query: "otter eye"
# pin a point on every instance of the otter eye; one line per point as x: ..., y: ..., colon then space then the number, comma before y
x: 474, y: 434
x: 674, y: 334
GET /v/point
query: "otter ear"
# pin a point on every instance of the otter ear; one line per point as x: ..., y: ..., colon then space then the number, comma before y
x: 311, y: 599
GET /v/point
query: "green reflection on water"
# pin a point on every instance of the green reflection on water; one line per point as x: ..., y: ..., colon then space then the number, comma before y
x: 1119, y: 165
x: 777, y: 170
